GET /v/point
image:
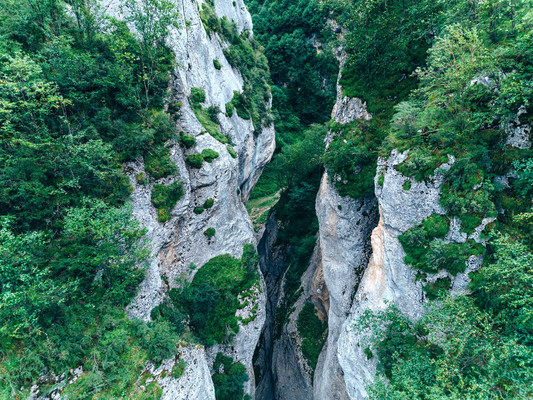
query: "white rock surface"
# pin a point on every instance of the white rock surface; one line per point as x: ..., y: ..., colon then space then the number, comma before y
x: 194, y: 384
x: 180, y: 242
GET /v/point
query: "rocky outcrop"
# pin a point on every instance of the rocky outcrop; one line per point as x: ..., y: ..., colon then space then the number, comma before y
x: 180, y: 242
x: 345, y: 225
x: 518, y: 133
x: 388, y: 279
x: 194, y: 384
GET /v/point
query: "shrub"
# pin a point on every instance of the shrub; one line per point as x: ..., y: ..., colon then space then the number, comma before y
x: 211, y: 299
x: 195, y: 160
x: 229, y: 109
x: 164, y: 198
x: 212, y: 113
x: 141, y: 178
x: 179, y: 369
x: 313, y: 332
x: 231, y: 151
x: 198, y: 210
x: 197, y: 96
x: 174, y: 107
x: 438, y: 289
x: 161, y: 341
x: 157, y: 163
x: 209, y: 155
x: 217, y: 64
x: 229, y: 378
x: 381, y: 179
x: 426, y: 250
x: 166, y: 311
x: 210, y: 232
x: 368, y: 353
x: 187, y: 140
x: 209, y: 203
x: 407, y: 185
x: 241, y: 105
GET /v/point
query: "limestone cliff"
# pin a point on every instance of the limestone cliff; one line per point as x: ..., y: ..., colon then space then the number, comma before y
x: 180, y: 242
x: 361, y: 278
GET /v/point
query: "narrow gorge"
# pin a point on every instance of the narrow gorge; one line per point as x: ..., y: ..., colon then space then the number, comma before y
x: 266, y: 199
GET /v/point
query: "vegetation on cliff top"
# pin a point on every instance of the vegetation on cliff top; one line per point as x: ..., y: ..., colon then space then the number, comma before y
x: 79, y: 95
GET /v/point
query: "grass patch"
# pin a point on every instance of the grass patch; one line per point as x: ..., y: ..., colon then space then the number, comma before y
x: 259, y: 208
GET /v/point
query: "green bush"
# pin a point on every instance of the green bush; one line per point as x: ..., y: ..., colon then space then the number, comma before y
x: 212, y: 112
x: 241, y: 105
x: 229, y: 109
x: 407, y: 185
x: 209, y: 155
x: 195, y: 160
x: 179, y: 369
x: 426, y: 250
x: 438, y: 289
x: 157, y: 163
x: 161, y: 342
x: 229, y: 379
x: 211, y: 300
x: 141, y: 178
x: 164, y: 198
x: 313, y: 332
x: 217, y: 64
x: 381, y: 180
x: 187, y: 140
x: 198, y: 210
x: 368, y: 353
x: 197, y: 96
x: 231, y: 151
x: 210, y: 232
x: 208, y: 203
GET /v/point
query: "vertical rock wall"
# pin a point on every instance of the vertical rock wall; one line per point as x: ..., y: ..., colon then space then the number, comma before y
x: 179, y: 243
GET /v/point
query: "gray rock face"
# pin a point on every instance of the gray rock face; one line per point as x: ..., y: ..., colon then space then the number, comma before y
x: 387, y: 278
x: 345, y: 227
x: 180, y: 242
x: 518, y: 134
x: 236, y: 12
x: 194, y: 384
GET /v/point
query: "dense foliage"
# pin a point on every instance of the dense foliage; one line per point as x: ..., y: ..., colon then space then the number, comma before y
x: 466, y: 347
x: 79, y: 95
x: 229, y: 378
x: 298, y: 46
x: 313, y: 332
x: 219, y: 288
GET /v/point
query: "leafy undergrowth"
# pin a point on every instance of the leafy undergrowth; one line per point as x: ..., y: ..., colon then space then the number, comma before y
x: 211, y: 300
x: 229, y: 378
x: 313, y: 332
